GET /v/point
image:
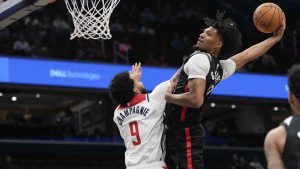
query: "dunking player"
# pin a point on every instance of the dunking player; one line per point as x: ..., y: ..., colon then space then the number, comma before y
x: 139, y: 118
x: 200, y: 73
x: 282, y: 144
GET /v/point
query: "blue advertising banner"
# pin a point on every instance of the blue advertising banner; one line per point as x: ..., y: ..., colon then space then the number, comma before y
x: 98, y: 76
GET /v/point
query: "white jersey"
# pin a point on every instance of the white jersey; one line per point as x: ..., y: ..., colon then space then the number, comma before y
x: 141, y: 126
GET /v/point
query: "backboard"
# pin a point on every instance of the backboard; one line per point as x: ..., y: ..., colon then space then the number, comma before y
x: 13, y: 10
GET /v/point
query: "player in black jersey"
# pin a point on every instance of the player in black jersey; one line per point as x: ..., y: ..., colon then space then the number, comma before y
x: 199, y: 74
x: 282, y: 144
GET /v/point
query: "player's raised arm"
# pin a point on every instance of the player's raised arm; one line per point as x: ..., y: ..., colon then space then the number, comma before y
x: 174, y: 80
x: 136, y: 72
x: 259, y: 49
x: 161, y: 89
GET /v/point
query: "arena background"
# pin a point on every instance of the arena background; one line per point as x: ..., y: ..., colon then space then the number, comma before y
x: 55, y: 111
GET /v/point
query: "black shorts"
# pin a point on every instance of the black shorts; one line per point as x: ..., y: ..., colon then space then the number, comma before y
x: 185, y: 148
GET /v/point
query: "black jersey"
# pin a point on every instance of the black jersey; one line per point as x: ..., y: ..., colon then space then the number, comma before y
x: 176, y: 115
x: 291, y: 152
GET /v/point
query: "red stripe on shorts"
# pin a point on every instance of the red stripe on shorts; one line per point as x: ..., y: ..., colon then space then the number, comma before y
x: 188, y: 148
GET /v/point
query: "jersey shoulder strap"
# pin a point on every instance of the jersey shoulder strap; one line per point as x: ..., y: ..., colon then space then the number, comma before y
x: 186, y: 58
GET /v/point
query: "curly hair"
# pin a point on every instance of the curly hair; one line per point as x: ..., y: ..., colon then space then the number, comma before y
x: 121, y: 88
x: 294, y: 80
x: 228, y: 31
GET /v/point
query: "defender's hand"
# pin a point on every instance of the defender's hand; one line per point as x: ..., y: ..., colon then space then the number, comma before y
x: 136, y: 71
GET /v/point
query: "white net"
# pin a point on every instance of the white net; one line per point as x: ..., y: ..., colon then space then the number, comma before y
x: 91, y: 17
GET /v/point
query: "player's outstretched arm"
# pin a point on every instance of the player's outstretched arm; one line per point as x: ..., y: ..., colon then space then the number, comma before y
x: 273, y: 147
x: 259, y: 49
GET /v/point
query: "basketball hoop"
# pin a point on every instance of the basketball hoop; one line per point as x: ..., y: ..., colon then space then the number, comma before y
x: 91, y: 17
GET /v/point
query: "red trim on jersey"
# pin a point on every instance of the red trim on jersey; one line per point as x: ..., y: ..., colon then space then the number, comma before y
x: 165, y: 167
x: 183, y: 110
x: 188, y: 148
x: 137, y: 99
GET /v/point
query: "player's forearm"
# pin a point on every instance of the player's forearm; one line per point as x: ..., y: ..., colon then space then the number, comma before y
x: 253, y: 52
x: 275, y: 165
x: 175, y: 76
x: 185, y: 99
x: 259, y: 49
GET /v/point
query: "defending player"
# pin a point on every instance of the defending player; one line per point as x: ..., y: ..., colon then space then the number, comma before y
x: 139, y: 118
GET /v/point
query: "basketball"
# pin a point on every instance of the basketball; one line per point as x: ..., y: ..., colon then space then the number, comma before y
x: 267, y: 17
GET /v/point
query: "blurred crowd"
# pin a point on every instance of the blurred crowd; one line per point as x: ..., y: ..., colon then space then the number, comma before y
x: 156, y: 33
x: 61, y: 126
x: 240, y: 162
x: 69, y: 161
x: 65, y: 127
x: 73, y: 126
x: 32, y: 127
x: 59, y: 161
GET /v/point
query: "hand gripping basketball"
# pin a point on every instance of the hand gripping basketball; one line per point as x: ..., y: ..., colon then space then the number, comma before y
x: 279, y: 33
x: 268, y: 17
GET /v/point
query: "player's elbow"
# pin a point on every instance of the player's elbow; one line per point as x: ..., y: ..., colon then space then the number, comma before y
x: 197, y: 102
